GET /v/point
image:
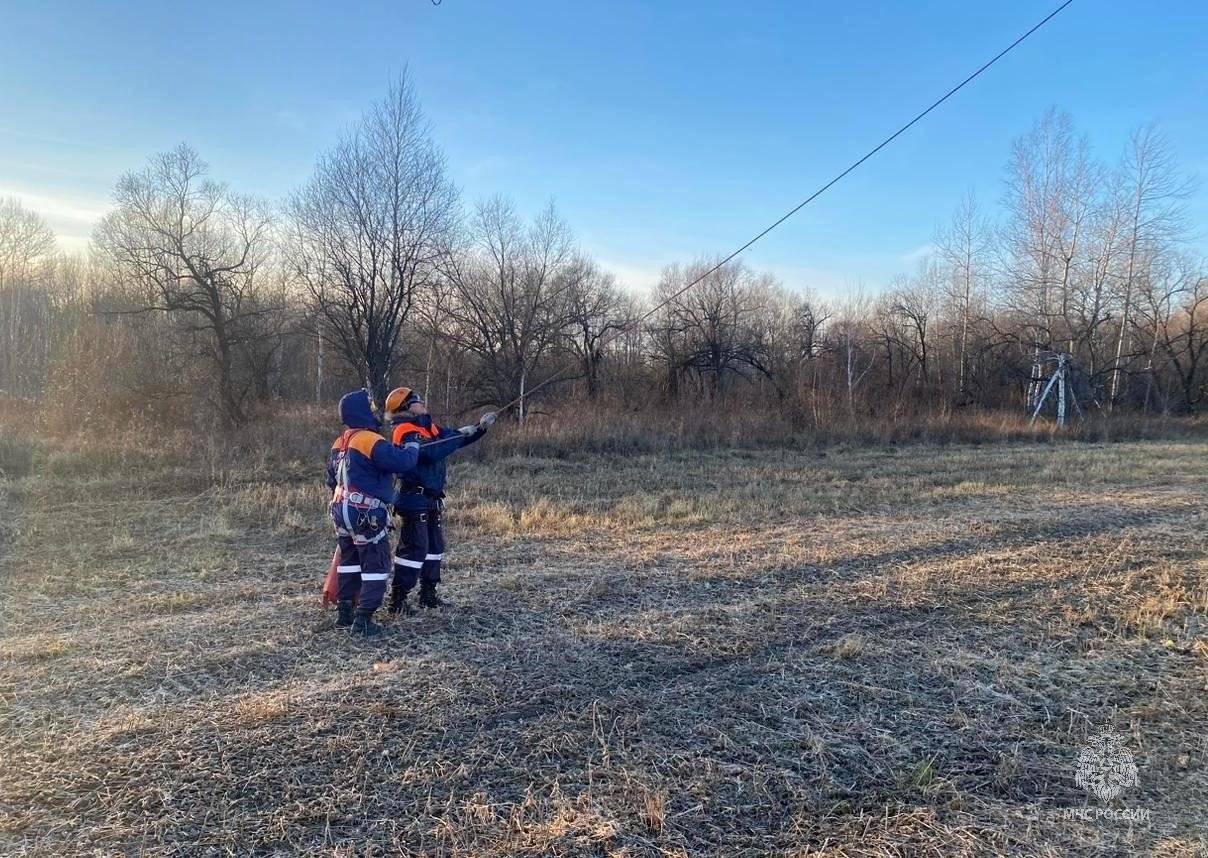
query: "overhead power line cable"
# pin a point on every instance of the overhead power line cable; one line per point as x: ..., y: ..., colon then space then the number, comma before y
x: 839, y: 177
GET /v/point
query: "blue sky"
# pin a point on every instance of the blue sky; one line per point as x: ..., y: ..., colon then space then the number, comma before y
x: 663, y: 131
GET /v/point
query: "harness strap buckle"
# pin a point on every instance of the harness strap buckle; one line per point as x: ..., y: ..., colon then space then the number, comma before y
x: 359, y: 499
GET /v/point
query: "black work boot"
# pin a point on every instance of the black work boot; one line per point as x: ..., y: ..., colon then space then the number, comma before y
x: 343, y: 615
x: 364, y: 625
x: 399, y: 604
x: 428, y: 597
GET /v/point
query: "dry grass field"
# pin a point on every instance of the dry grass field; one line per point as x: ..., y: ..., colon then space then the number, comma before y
x: 851, y: 651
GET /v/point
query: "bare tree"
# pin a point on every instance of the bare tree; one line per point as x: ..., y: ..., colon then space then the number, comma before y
x: 715, y: 329
x: 964, y: 246
x: 27, y: 246
x: 190, y: 248
x: 367, y: 232
x: 1154, y: 200
x: 597, y: 312
x: 434, y: 354
x: 1172, y: 309
x: 25, y: 241
x: 512, y: 297
x: 1050, y: 187
x: 1097, y: 275
x: 802, y: 345
x: 849, y: 333
x: 907, y: 323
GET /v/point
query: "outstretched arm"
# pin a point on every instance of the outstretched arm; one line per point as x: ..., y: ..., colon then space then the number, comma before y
x: 470, y: 434
x: 452, y: 440
x: 395, y: 459
x: 473, y: 433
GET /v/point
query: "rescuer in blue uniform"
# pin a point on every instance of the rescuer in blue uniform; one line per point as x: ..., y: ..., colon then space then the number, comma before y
x: 360, y: 473
x: 420, y: 503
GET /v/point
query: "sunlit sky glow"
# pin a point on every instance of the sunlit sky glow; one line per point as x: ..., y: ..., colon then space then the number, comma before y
x: 663, y: 131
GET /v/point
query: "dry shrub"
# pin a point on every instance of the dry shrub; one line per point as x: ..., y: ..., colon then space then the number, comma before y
x: 576, y: 428
x: 121, y: 432
x: 35, y: 649
x: 253, y: 709
x: 1172, y: 595
x: 109, y: 377
x: 16, y: 450
x: 543, y: 516
x: 654, y: 810
x: 492, y: 518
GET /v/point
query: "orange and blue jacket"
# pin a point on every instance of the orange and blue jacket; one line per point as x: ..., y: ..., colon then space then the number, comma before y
x: 372, y: 460
x: 426, y: 483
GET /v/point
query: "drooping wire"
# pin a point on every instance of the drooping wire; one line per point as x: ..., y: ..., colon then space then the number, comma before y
x: 819, y: 192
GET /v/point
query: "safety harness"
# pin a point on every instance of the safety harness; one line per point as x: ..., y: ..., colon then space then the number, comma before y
x: 347, y: 497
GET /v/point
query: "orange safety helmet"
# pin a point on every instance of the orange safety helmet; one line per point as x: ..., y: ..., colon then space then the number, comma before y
x: 400, y: 398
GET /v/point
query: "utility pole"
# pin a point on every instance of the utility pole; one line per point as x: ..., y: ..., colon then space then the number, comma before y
x: 1058, y: 379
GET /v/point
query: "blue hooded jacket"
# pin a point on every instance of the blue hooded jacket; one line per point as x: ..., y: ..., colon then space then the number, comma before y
x: 430, y: 471
x: 372, y: 460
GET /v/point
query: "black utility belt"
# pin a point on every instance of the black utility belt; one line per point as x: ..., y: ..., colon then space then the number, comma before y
x: 420, y: 490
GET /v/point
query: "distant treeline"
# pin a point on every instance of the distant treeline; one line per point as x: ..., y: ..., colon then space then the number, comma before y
x: 198, y: 303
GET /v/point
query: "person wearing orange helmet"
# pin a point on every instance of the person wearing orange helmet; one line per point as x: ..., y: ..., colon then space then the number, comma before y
x: 420, y: 503
x: 360, y: 473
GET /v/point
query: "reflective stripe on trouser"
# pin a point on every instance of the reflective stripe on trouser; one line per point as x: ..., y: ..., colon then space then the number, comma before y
x: 412, y: 549
x: 436, y: 547
x: 363, y: 570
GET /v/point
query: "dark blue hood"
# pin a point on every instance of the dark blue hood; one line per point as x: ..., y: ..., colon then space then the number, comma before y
x: 356, y: 411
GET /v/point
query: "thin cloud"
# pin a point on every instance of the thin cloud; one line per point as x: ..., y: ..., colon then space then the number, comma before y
x: 920, y: 252
x: 57, y: 207
x: 71, y: 221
